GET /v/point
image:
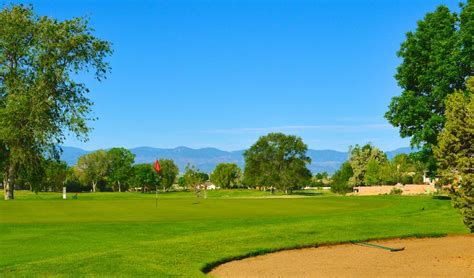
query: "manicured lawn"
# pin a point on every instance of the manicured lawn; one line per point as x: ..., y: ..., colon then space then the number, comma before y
x: 124, y: 234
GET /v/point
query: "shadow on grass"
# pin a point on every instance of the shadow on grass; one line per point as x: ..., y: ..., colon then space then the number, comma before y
x: 442, y: 197
x: 307, y: 193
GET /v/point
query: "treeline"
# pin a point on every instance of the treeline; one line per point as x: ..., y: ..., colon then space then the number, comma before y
x: 276, y: 162
x: 368, y: 165
x: 115, y: 170
x: 112, y: 170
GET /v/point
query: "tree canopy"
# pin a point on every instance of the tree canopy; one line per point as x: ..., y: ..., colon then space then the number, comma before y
x: 119, y: 163
x: 226, y: 175
x: 169, y: 172
x: 455, y: 150
x: 277, y: 160
x: 436, y: 60
x: 144, y: 176
x: 340, y: 179
x: 193, y: 179
x: 92, y: 168
x: 40, y: 98
x: 360, y: 157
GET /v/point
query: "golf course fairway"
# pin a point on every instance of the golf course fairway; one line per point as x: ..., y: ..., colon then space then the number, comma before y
x: 126, y: 234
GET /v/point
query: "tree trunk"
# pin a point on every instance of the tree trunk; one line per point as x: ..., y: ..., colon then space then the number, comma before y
x: 120, y: 188
x: 8, y: 186
x: 94, y: 185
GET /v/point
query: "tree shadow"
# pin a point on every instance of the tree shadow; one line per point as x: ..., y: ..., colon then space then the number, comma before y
x: 307, y: 193
x: 442, y: 197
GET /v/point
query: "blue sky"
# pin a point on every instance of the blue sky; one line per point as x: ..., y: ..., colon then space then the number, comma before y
x: 222, y: 73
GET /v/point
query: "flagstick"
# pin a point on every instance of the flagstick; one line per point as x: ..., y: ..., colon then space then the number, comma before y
x: 157, y: 169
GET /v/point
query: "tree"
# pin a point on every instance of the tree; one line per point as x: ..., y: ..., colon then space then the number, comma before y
x: 120, y: 162
x: 145, y: 176
x: 455, y: 151
x: 372, y: 172
x: 359, y: 158
x: 320, y: 179
x: 194, y: 178
x: 436, y: 60
x: 226, y: 175
x: 40, y: 57
x: 321, y: 176
x: 340, y: 179
x: 388, y: 173
x: 55, y: 175
x: 279, y: 161
x: 169, y: 172
x: 182, y: 182
x: 92, y: 168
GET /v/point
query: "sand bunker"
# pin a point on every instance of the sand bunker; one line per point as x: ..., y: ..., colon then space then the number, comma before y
x: 425, y: 257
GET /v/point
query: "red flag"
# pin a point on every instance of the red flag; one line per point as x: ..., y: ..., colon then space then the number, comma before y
x: 157, y: 166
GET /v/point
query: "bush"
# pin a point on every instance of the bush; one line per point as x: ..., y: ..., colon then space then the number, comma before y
x: 418, y: 178
x: 406, y: 179
x: 396, y: 191
x: 341, y: 188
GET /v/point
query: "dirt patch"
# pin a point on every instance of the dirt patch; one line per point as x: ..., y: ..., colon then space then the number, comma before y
x: 425, y: 257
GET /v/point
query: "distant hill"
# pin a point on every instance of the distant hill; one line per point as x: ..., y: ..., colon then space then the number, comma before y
x: 206, y: 159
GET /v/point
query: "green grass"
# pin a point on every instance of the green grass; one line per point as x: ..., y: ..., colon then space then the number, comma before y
x: 124, y: 234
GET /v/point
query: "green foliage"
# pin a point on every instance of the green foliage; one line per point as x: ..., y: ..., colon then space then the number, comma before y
x: 321, y: 176
x: 182, y: 182
x: 226, y: 175
x: 396, y: 191
x: 92, y: 168
x: 372, y: 170
x: 193, y: 177
x: 359, y: 158
x: 119, y: 167
x: 145, y: 176
x: 55, y: 175
x: 388, y: 173
x: 73, y: 182
x: 455, y: 150
x: 169, y: 172
x: 40, y: 57
x: 340, y: 179
x: 320, y: 180
x: 277, y: 160
x: 436, y: 60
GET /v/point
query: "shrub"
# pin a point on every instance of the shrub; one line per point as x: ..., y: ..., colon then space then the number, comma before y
x: 396, y: 191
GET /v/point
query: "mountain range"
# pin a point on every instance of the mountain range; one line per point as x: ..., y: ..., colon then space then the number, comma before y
x: 206, y: 159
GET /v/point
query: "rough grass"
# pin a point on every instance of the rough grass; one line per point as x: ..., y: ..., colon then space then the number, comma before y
x: 124, y: 234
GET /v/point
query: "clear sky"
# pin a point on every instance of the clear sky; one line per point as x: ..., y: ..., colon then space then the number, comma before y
x: 222, y: 73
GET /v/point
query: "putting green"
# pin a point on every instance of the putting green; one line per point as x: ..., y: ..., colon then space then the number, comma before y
x: 124, y: 234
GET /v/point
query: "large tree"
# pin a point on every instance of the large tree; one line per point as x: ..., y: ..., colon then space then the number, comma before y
x: 92, y: 168
x: 55, y: 175
x: 193, y: 177
x: 340, y: 179
x: 145, y: 177
x: 120, y: 162
x: 169, y: 172
x: 436, y: 60
x: 360, y: 156
x: 226, y: 175
x: 40, y: 99
x: 455, y: 151
x: 279, y: 161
